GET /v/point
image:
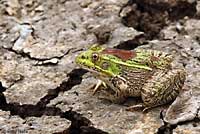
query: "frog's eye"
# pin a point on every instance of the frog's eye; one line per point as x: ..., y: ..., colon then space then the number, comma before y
x: 95, y: 56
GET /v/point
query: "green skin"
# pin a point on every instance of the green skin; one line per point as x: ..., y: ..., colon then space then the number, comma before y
x: 140, y: 73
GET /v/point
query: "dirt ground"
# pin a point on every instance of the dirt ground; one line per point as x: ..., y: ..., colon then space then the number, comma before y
x: 42, y: 90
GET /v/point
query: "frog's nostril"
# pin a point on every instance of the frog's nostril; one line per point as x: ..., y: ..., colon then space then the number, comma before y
x: 83, y: 57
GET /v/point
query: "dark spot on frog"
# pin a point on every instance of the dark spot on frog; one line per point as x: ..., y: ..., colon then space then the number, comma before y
x: 122, y: 54
x: 154, y: 58
x: 83, y: 57
x: 93, y: 68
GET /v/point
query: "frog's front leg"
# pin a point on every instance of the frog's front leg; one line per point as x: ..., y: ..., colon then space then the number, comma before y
x: 163, y: 87
x: 116, y: 90
x: 97, y: 86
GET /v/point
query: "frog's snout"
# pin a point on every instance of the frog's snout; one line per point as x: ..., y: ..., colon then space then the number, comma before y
x: 77, y: 59
x: 81, y: 58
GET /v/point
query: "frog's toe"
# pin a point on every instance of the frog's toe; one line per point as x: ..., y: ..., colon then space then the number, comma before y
x: 98, y: 86
x: 146, y: 108
x: 135, y: 107
x: 138, y: 107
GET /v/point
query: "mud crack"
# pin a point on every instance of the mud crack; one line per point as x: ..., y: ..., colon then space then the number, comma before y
x: 79, y: 124
x: 151, y: 17
x: 41, y: 61
x: 132, y: 44
x: 27, y: 36
x: 75, y: 78
x: 168, y: 128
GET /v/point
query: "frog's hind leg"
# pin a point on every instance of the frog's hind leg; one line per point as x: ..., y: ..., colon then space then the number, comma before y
x: 163, y: 87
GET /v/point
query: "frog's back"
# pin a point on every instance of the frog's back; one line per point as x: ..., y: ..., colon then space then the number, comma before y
x: 139, y: 58
x: 152, y: 58
x: 137, y: 77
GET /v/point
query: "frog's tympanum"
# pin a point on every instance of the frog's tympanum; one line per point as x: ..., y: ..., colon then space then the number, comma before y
x: 140, y: 73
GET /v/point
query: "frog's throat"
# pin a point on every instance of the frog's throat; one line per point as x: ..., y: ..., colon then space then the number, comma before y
x: 97, y: 71
x: 130, y: 65
x: 104, y: 71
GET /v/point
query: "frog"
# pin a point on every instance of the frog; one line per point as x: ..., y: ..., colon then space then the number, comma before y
x: 145, y: 73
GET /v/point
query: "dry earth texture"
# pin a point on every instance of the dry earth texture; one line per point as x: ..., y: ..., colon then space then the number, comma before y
x: 42, y: 91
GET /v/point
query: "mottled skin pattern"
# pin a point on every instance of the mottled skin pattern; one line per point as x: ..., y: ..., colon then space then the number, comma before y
x: 145, y: 73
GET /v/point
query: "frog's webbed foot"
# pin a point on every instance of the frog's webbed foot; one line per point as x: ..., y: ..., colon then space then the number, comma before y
x: 97, y: 87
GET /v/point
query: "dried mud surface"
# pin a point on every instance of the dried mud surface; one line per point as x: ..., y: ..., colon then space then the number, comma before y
x: 43, y: 91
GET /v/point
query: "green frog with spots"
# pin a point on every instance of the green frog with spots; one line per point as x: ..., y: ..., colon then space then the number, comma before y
x: 138, y: 73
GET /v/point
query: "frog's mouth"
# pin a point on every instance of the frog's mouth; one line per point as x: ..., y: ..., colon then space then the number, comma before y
x: 94, y: 71
x: 110, y: 88
x: 102, y: 76
x: 97, y: 72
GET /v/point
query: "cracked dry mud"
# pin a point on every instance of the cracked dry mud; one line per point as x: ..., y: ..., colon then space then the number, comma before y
x: 43, y: 91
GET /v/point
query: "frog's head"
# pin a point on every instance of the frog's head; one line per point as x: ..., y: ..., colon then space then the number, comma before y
x: 107, y: 62
x: 99, y: 63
